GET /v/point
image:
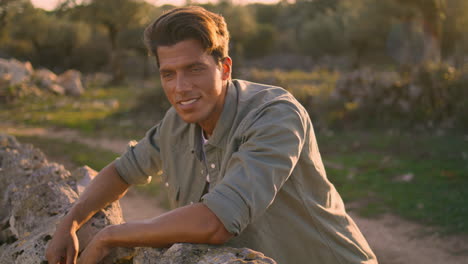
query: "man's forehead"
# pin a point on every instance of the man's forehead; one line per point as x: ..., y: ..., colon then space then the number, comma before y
x: 183, y: 53
x: 168, y: 63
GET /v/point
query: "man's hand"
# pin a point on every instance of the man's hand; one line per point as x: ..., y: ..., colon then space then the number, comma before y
x: 105, y: 188
x: 96, y: 250
x: 63, y: 248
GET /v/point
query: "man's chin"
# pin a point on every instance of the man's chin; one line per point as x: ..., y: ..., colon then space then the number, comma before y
x: 189, y: 119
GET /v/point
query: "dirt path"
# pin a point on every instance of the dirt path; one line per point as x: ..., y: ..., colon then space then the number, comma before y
x: 394, y: 240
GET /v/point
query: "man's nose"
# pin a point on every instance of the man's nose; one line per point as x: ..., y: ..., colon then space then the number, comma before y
x: 182, y: 83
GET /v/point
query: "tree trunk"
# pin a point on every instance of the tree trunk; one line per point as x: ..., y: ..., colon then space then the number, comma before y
x: 118, y: 74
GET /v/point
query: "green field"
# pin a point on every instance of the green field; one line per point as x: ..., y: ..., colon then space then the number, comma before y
x: 418, y: 176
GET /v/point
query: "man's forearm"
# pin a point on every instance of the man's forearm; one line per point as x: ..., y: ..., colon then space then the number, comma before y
x: 105, y: 188
x: 190, y: 224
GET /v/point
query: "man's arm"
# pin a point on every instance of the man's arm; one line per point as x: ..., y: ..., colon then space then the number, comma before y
x: 190, y: 224
x: 105, y: 188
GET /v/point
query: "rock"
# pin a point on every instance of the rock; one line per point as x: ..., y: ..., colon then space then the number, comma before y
x: 407, y: 177
x: 5, y: 80
x: 18, y: 79
x: 71, y: 82
x: 7, y: 141
x: 200, y: 254
x: 20, y: 72
x: 48, y: 80
x: 34, y: 196
x: 57, y: 89
x: 83, y: 175
x: 45, y: 77
x: 4, y: 66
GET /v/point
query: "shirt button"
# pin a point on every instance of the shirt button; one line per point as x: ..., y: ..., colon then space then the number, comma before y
x: 191, y: 202
x: 166, y: 184
x: 201, y: 171
x: 213, y: 165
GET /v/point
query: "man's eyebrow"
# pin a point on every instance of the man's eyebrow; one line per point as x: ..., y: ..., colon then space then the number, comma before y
x: 188, y: 66
x: 195, y: 64
x: 164, y: 70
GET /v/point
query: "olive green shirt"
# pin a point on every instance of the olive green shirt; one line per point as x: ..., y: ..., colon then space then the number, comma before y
x: 267, y: 181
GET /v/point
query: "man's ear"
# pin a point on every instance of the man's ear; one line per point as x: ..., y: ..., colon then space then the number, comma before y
x: 226, y: 66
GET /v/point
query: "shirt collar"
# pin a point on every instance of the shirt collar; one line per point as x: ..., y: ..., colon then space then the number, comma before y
x: 223, y: 126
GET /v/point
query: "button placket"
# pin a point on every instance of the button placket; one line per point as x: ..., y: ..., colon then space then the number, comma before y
x: 211, y: 163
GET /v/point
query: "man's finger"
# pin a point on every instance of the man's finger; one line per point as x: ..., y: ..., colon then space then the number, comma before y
x: 53, y: 260
x: 72, y: 254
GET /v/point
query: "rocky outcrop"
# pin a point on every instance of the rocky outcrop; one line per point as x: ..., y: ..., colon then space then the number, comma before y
x: 200, y: 254
x: 48, y: 80
x: 18, y: 79
x: 20, y: 71
x: 71, y: 82
x: 36, y: 194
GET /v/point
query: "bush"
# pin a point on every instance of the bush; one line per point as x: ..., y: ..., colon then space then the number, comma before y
x: 433, y: 95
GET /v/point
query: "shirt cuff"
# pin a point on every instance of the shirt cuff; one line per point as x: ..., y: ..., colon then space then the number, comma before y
x: 228, y: 207
x: 129, y: 170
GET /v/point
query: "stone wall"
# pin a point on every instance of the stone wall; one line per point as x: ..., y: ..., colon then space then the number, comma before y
x: 36, y: 194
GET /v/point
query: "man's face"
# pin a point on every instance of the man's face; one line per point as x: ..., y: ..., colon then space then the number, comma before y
x: 194, y: 83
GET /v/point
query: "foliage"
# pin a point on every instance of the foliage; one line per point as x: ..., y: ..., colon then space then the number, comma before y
x: 8, y: 9
x: 53, y: 40
x: 105, y: 35
x: 324, y: 34
x: 434, y: 95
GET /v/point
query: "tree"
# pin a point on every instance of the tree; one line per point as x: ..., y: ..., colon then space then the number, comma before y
x: 114, y: 16
x: 53, y: 39
x: 455, y: 39
x: 323, y: 35
x: 367, y: 26
x: 241, y: 24
x: 8, y: 9
x: 434, y: 14
x: 262, y: 42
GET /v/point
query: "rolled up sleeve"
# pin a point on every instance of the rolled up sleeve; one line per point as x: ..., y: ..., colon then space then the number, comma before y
x: 142, y: 160
x: 269, y: 151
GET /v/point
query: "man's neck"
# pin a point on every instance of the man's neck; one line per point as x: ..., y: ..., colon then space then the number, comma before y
x: 208, y: 126
x: 205, y: 135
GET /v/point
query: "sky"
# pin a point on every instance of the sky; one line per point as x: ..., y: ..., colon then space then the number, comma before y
x: 50, y: 4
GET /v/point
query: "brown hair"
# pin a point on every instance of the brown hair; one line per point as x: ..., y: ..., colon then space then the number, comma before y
x: 192, y: 22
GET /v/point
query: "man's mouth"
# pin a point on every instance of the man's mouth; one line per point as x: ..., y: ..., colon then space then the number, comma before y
x: 188, y: 101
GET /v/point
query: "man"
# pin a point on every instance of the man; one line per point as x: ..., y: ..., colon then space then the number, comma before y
x: 239, y: 159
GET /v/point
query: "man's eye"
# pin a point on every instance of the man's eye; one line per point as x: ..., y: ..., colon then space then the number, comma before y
x: 166, y: 74
x: 196, y: 69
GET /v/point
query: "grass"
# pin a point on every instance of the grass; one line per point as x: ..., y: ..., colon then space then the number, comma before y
x: 72, y: 154
x: 99, y: 111
x: 421, y: 177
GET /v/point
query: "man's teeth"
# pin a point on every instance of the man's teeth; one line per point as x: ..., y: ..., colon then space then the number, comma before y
x: 188, y: 102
